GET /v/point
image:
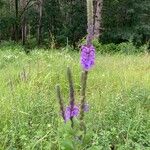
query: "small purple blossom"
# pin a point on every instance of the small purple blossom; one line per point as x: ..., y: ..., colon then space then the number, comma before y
x: 71, y: 112
x: 75, y: 111
x: 87, y: 57
x: 86, y: 107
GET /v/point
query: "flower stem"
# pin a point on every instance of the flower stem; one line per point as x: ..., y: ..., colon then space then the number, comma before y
x: 71, y: 93
x: 85, y: 73
x: 61, y: 103
x: 83, y: 97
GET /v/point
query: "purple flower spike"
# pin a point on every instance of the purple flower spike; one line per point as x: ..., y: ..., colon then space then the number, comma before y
x: 69, y: 112
x: 87, y: 57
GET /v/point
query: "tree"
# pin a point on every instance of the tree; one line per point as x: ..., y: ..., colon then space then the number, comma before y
x: 98, y: 18
x: 23, y: 22
x: 17, y: 20
x: 39, y: 30
x: 126, y: 20
x: 64, y: 21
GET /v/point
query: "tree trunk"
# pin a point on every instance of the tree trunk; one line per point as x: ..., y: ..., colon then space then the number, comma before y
x: 39, y: 31
x: 98, y: 4
x: 16, y: 25
x: 24, y: 24
x: 24, y: 31
x: 0, y: 36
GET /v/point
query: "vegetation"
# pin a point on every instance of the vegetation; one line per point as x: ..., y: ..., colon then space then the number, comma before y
x: 118, y: 94
x: 63, y: 21
x: 51, y: 101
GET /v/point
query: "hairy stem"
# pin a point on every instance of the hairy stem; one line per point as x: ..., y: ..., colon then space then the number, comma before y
x: 71, y: 93
x: 61, y: 103
x: 83, y: 97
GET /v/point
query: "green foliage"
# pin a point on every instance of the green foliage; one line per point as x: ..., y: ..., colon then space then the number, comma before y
x: 124, y: 47
x: 74, y: 25
x: 65, y: 21
x: 124, y: 20
x: 10, y: 46
x: 127, y: 48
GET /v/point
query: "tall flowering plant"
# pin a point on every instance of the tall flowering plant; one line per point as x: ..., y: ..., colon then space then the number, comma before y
x: 87, y: 61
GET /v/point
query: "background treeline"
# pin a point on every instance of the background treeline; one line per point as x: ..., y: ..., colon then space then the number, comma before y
x: 57, y: 22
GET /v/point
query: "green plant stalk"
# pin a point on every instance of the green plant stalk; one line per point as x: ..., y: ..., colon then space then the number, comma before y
x: 61, y: 103
x: 85, y: 73
x: 83, y: 97
x: 71, y: 93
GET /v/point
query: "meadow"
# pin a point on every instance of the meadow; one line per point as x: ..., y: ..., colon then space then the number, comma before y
x: 118, y: 93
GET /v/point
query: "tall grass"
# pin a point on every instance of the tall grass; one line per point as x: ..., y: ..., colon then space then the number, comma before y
x: 118, y: 93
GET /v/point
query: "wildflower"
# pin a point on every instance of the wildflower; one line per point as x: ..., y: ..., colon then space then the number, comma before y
x: 86, y: 107
x: 71, y: 112
x: 87, y: 57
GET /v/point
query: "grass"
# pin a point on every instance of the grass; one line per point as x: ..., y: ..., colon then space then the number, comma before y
x: 118, y: 94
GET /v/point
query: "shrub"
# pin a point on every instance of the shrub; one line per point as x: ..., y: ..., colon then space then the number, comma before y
x: 124, y: 47
x: 10, y: 45
x: 127, y: 48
